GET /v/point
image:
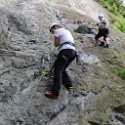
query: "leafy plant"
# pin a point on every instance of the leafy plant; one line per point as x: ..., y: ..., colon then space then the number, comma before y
x: 122, y: 73
x: 121, y: 26
x: 115, y: 8
x: 118, y: 13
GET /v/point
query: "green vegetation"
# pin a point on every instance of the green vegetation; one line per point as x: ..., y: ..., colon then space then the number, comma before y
x: 120, y: 69
x: 117, y: 13
x: 122, y: 73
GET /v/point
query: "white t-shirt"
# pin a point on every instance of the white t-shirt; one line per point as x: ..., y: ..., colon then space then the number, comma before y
x: 65, y: 36
x: 102, y: 24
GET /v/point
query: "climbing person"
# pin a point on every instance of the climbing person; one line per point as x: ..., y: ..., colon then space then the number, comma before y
x: 64, y: 40
x: 102, y: 31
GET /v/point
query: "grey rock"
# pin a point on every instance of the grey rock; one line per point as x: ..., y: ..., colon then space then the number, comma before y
x: 26, y: 49
x: 84, y: 29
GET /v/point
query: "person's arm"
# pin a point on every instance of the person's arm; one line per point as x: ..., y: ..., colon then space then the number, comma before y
x: 56, y: 41
x: 94, y: 24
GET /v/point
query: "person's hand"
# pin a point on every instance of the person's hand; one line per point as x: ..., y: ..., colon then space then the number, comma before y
x: 97, y: 28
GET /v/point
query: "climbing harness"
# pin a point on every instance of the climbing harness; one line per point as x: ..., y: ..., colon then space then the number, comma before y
x: 65, y: 43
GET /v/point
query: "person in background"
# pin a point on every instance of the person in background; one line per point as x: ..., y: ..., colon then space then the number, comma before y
x: 67, y: 53
x: 103, y: 31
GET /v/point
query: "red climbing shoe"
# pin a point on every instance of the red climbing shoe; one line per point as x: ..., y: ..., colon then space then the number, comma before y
x: 49, y: 94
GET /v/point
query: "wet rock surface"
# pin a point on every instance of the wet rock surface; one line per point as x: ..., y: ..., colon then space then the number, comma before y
x: 27, y: 52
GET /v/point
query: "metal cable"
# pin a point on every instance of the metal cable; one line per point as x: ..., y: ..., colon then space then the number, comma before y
x: 20, y: 120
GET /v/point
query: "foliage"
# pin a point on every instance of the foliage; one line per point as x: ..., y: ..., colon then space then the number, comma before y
x: 121, y: 26
x: 122, y: 73
x: 118, y: 13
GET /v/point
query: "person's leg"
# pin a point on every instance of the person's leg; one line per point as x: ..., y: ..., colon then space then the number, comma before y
x: 60, y: 75
x: 60, y: 65
x: 107, y: 43
x: 62, y: 61
x: 98, y: 40
x: 106, y: 38
x: 67, y: 81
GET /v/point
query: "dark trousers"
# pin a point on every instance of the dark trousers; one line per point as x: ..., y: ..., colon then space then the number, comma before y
x: 64, y: 58
x: 102, y: 32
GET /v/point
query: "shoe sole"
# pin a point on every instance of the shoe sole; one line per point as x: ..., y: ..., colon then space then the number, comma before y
x: 51, y: 97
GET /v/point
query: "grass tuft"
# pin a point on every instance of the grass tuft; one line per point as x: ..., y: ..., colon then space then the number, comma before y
x: 117, y: 13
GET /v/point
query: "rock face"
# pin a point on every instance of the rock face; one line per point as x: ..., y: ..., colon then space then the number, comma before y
x: 26, y: 49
